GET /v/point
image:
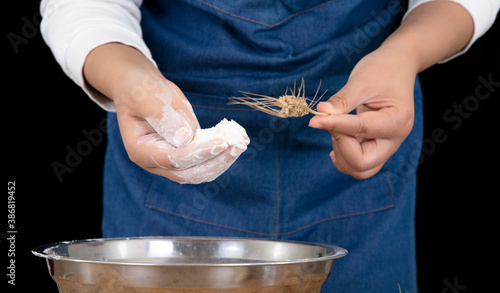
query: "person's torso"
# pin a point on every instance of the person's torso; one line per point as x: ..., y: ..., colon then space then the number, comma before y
x: 213, y: 49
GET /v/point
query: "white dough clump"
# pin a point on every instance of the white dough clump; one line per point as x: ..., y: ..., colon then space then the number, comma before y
x: 230, y: 131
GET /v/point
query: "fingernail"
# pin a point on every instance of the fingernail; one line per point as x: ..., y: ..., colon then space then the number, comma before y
x: 333, y: 157
x: 326, y: 107
x: 236, y: 150
x: 219, y: 148
x: 241, y: 147
x: 313, y: 124
x: 181, y: 137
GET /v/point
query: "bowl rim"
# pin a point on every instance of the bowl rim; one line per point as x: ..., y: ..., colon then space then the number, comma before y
x: 46, y: 251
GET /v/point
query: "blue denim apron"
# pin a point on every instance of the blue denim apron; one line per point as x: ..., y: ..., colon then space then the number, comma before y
x: 285, y: 185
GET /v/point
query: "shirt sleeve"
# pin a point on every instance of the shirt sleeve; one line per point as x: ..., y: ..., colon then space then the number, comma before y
x: 73, y: 28
x: 483, y: 14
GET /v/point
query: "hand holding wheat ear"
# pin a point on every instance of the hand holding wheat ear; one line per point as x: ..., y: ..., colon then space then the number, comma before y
x: 294, y: 104
x: 380, y: 89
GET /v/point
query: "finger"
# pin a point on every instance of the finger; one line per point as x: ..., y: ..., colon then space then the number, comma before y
x: 341, y: 165
x: 339, y: 162
x: 208, y: 143
x: 176, y: 121
x: 172, y: 126
x: 371, y: 124
x: 165, y: 107
x: 206, y: 171
x: 148, y: 149
x: 196, y: 153
x: 344, y: 101
x: 182, y: 105
x: 156, y: 151
x: 143, y: 143
x: 363, y: 156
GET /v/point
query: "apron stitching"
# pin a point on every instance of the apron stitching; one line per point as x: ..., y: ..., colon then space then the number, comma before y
x: 277, y: 182
x: 301, y: 12
x: 336, y: 218
x: 222, y: 108
x: 150, y: 191
x: 232, y: 14
x: 263, y: 23
x: 210, y: 223
x: 389, y: 182
x: 271, y: 234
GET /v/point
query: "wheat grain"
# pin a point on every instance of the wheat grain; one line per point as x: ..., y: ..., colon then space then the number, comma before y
x: 293, y: 104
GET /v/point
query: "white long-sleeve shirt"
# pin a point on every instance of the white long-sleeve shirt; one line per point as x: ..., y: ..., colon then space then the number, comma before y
x: 72, y: 29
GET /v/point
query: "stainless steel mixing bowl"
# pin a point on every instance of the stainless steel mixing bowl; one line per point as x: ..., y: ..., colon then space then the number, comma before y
x: 187, y: 264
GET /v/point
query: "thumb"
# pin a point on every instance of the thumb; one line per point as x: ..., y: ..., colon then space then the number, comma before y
x: 174, y: 120
x: 182, y: 106
x: 172, y: 126
x: 343, y: 102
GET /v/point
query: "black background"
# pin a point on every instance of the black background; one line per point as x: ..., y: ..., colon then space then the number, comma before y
x: 45, y: 114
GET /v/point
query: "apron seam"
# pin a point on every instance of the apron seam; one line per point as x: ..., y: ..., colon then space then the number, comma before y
x: 271, y: 234
x: 221, y: 108
x: 260, y: 22
x: 150, y: 192
x: 276, y: 228
x: 389, y: 181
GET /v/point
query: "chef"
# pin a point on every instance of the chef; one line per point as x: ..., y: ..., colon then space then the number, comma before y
x: 163, y: 69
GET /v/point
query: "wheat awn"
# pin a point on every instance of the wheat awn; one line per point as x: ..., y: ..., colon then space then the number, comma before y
x: 289, y: 105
